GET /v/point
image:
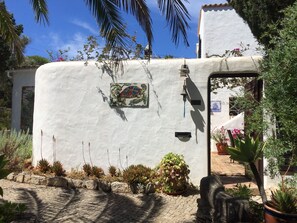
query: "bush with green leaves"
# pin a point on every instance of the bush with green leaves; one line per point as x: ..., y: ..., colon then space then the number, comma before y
x: 9, y: 211
x: 17, y: 147
x: 172, y: 174
x: 137, y: 174
x: 240, y: 190
x: 3, y: 171
x: 279, y: 70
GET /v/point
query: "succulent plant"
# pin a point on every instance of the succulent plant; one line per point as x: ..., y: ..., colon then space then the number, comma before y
x: 112, y: 171
x: 97, y: 171
x: 58, y: 169
x: 44, y: 166
x: 87, y: 169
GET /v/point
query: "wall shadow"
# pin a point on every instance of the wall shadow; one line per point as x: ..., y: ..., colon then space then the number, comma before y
x: 195, y: 95
x: 119, y: 112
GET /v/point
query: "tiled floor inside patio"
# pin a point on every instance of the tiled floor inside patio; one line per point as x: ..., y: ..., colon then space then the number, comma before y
x: 229, y: 171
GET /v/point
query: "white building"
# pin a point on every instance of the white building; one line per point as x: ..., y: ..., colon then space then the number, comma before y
x: 73, y: 109
x: 73, y: 114
x: 222, y: 32
x: 220, y: 28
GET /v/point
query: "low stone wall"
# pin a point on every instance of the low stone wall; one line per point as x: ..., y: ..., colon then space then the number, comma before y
x: 65, y: 182
x: 215, y: 205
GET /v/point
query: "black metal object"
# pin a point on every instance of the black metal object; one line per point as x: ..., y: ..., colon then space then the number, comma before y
x: 183, y: 135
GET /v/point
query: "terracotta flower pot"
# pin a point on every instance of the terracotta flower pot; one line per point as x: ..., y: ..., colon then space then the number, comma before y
x: 272, y: 215
x: 222, y: 148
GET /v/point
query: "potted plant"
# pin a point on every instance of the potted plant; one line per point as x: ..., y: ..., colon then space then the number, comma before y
x: 219, y: 136
x: 282, y: 207
x: 173, y: 174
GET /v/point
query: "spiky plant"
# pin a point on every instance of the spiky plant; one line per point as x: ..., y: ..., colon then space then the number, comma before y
x: 97, y: 171
x: 284, y: 200
x: 87, y: 169
x: 112, y: 171
x: 58, y: 169
x: 44, y: 166
x: 249, y: 150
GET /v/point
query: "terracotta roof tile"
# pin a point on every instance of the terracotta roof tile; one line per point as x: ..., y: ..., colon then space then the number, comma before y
x: 215, y: 5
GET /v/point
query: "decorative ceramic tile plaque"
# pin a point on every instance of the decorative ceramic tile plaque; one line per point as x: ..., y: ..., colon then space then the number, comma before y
x: 129, y: 94
x: 215, y: 106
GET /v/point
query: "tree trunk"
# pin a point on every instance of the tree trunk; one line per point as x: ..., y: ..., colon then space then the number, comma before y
x: 259, y: 182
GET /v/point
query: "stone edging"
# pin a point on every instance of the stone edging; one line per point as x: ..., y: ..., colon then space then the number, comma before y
x: 65, y: 182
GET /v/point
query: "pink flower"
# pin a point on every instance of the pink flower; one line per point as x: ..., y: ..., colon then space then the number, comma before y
x: 237, y: 134
x: 60, y: 59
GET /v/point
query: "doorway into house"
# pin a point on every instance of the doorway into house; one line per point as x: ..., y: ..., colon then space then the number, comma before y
x: 233, y: 101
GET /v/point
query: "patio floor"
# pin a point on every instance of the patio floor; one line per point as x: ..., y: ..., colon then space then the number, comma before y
x: 230, y: 172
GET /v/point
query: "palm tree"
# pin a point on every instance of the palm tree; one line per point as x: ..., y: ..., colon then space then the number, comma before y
x: 107, y: 15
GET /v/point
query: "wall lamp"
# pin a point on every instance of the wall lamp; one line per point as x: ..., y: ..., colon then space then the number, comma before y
x: 183, y: 136
x: 185, y: 93
x: 184, y: 70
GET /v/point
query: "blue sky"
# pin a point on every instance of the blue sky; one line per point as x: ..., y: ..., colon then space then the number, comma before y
x: 71, y: 23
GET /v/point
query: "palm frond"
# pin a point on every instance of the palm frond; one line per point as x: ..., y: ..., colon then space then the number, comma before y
x: 9, y: 33
x: 176, y: 15
x: 40, y: 10
x: 107, y: 15
x: 140, y: 10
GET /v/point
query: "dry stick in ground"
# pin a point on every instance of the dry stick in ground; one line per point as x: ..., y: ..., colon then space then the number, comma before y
x: 90, y: 154
x: 41, y: 136
x: 54, y: 149
x: 82, y: 148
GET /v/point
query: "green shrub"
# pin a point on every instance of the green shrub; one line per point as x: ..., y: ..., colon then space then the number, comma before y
x: 241, y: 191
x: 137, y: 174
x: 44, y: 166
x: 58, y: 169
x: 17, y: 147
x: 87, y: 169
x: 3, y: 171
x: 9, y: 211
x: 173, y: 174
x: 97, y: 171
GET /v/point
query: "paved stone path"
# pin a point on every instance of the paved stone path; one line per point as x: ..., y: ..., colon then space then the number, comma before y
x: 50, y: 204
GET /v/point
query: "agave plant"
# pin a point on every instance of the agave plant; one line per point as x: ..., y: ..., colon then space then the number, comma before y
x: 3, y: 172
x: 284, y: 200
x: 249, y: 150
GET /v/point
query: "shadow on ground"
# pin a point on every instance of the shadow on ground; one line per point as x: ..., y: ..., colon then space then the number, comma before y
x: 87, y: 206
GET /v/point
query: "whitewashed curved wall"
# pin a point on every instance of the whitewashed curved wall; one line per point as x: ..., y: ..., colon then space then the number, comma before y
x: 221, y: 29
x: 70, y: 103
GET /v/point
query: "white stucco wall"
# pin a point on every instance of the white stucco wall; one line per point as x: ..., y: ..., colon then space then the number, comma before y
x: 21, y: 78
x: 71, y: 104
x: 221, y: 29
x: 222, y: 118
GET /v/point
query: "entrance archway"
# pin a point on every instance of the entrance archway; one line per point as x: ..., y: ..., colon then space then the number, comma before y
x: 226, y: 167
